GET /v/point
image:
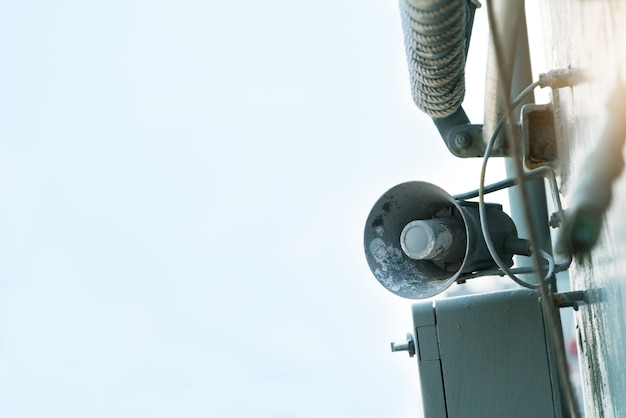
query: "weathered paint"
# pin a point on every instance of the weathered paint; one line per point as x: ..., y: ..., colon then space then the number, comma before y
x: 590, y: 35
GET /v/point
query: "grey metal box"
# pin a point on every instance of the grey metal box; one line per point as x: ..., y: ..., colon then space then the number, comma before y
x: 485, y: 355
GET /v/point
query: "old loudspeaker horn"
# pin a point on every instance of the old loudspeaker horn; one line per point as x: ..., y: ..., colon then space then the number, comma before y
x: 418, y: 239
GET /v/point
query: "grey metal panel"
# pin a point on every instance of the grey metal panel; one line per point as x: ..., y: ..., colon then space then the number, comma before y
x: 427, y: 349
x: 427, y: 345
x: 423, y: 314
x: 432, y: 389
x: 493, y: 356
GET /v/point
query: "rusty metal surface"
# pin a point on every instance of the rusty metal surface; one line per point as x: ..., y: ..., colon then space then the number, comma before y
x: 590, y: 35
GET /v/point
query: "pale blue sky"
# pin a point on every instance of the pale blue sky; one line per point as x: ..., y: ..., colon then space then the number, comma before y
x: 184, y: 187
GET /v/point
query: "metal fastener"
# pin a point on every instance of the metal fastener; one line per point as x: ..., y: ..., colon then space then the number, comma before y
x: 407, y: 345
x: 462, y: 140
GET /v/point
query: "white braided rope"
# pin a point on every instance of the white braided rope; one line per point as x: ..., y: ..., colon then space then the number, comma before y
x: 434, y: 39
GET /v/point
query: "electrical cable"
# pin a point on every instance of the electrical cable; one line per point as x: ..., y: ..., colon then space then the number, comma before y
x: 551, y: 264
x: 548, y: 308
x: 481, y: 192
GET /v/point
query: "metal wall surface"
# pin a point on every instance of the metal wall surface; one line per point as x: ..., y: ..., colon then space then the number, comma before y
x: 591, y: 35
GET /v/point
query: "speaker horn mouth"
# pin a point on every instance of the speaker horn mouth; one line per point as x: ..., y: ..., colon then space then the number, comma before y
x: 400, y: 207
x: 418, y: 239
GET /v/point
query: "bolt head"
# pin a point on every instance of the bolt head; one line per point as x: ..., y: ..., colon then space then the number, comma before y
x: 462, y: 140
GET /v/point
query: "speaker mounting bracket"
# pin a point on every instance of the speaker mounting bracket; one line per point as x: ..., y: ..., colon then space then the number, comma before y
x: 555, y: 221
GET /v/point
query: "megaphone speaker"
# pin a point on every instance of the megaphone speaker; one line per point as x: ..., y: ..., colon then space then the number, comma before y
x: 419, y: 240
